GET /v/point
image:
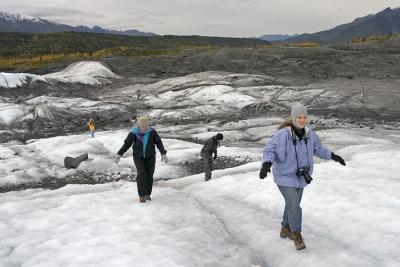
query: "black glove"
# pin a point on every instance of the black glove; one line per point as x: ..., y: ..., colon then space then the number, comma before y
x: 215, y: 156
x: 266, y: 167
x: 338, y: 159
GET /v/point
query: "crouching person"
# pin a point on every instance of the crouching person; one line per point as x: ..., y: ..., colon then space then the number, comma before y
x: 210, y: 148
x: 143, y: 140
x: 290, y: 152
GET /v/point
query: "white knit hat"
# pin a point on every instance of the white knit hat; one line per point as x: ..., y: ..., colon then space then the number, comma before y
x: 296, y: 110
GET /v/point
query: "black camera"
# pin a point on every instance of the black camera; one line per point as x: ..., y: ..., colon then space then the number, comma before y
x: 304, y: 171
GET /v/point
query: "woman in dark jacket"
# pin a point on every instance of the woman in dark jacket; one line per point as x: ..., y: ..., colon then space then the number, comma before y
x: 143, y: 140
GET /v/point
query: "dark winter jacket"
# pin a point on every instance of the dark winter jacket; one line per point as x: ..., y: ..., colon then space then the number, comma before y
x: 143, y: 144
x: 210, y: 147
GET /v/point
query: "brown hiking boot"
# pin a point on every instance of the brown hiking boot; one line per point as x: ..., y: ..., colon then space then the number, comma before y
x: 148, y: 198
x: 285, y: 231
x: 142, y: 199
x: 298, y: 240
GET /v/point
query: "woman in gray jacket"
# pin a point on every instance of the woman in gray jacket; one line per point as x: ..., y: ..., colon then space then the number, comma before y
x: 290, y: 152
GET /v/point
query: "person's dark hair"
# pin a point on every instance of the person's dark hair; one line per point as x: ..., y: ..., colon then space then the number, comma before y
x: 219, y: 136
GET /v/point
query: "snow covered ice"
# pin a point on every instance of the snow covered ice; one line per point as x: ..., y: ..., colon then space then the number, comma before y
x: 351, y: 214
x: 85, y: 72
x: 11, y: 80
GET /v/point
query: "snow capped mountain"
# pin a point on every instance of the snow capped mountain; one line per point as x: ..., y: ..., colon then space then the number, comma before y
x: 21, y: 23
x: 17, y: 18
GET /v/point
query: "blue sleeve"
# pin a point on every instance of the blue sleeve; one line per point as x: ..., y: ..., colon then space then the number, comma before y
x: 275, y: 149
x: 319, y: 150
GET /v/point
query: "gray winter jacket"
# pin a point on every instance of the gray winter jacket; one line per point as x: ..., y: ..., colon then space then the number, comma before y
x: 209, y: 148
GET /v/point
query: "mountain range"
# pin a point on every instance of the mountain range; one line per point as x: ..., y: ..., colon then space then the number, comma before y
x: 276, y: 37
x: 383, y: 23
x: 19, y: 23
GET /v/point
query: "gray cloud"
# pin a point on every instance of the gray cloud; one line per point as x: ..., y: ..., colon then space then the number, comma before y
x: 59, y: 12
x: 205, y: 17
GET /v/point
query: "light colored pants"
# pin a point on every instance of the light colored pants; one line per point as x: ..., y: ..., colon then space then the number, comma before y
x: 292, y: 214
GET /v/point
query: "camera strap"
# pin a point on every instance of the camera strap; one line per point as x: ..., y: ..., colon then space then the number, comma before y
x: 294, y: 144
x: 295, y: 150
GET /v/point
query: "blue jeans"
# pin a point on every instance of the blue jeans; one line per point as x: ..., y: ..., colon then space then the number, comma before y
x: 292, y: 215
x: 92, y: 134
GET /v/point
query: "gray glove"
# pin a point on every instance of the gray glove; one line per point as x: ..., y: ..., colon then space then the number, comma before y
x: 117, y: 158
x: 164, y: 158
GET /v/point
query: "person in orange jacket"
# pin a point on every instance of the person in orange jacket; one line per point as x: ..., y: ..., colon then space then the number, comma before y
x: 91, y: 127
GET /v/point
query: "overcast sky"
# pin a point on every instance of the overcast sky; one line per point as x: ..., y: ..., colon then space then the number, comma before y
x: 236, y: 18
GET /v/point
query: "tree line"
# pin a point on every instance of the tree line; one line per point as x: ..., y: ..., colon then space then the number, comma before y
x: 31, y: 45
